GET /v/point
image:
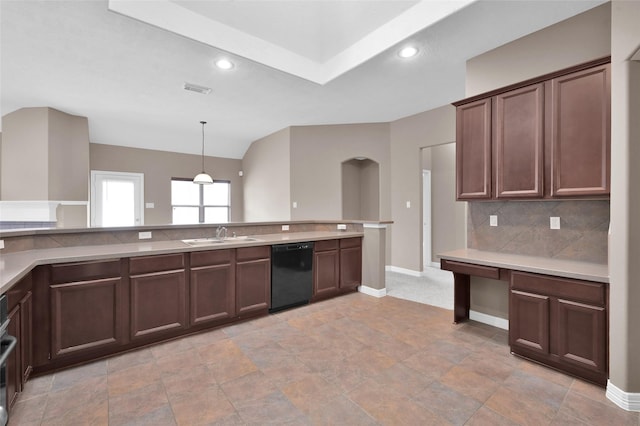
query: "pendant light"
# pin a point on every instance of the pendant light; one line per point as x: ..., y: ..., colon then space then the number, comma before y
x: 203, y: 178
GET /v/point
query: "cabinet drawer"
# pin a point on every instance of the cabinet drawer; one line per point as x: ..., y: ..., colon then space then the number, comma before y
x: 470, y: 269
x: 350, y: 242
x: 212, y: 257
x: 251, y: 253
x: 84, y: 271
x: 564, y: 288
x: 145, y: 264
x: 325, y: 245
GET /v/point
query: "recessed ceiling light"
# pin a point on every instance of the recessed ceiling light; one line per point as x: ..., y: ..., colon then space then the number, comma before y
x: 224, y: 64
x: 408, y: 52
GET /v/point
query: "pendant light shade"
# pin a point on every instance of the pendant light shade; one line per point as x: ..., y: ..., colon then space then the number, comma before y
x: 203, y: 178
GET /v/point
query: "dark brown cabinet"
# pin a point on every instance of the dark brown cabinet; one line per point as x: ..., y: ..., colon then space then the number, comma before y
x: 581, y: 135
x: 326, y: 268
x: 350, y: 263
x: 560, y: 322
x: 158, y: 295
x: 253, y: 280
x: 13, y: 376
x: 518, y: 135
x: 548, y: 137
x: 87, y: 307
x: 212, y: 286
x: 473, y: 150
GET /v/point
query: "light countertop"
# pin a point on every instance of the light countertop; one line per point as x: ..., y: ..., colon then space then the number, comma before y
x: 14, y: 266
x: 539, y: 265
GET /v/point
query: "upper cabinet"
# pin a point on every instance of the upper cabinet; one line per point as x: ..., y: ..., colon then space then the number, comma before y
x: 548, y: 137
x: 581, y: 133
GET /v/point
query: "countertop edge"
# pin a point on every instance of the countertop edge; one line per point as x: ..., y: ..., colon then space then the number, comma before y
x: 15, y: 266
x: 547, y: 266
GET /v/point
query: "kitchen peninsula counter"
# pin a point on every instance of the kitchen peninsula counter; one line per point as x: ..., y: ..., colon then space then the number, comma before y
x: 14, y: 266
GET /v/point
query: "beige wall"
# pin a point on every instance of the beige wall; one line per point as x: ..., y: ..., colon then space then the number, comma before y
x: 408, y: 136
x: 54, y: 147
x: 317, y: 153
x: 267, y: 178
x: 579, y: 39
x: 159, y: 167
x: 624, y: 246
x: 448, y: 215
x: 68, y: 157
x: 576, y: 40
x: 360, y: 190
x: 25, y: 148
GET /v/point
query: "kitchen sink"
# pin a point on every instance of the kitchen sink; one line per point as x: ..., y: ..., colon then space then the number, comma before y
x: 214, y: 241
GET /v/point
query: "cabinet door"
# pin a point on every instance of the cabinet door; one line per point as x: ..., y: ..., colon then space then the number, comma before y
x: 473, y: 150
x: 158, y: 303
x: 582, y: 332
x: 253, y: 286
x: 529, y: 321
x: 85, y: 316
x: 581, y: 134
x: 518, y: 134
x: 13, y: 373
x: 26, y: 337
x: 326, y: 273
x: 213, y: 293
x: 350, y: 263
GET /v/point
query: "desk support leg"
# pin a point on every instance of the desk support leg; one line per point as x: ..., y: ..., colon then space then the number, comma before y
x: 461, y: 297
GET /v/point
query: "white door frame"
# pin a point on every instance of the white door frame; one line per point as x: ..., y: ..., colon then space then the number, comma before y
x: 136, y: 178
x: 426, y: 219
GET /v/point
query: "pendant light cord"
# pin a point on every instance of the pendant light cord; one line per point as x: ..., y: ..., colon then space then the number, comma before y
x: 203, y: 123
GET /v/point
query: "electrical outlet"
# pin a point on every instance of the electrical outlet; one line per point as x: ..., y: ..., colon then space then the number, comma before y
x: 554, y: 222
x: 1, y: 244
x: 493, y: 220
x: 144, y: 235
x: 285, y: 227
x: 149, y: 205
x: 342, y: 227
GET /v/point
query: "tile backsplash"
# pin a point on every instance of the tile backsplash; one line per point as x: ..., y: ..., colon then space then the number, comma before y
x: 523, y: 228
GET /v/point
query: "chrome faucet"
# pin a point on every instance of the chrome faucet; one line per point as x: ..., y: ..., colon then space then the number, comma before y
x: 221, y: 232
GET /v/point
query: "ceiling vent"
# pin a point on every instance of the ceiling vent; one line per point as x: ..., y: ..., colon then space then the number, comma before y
x: 196, y: 88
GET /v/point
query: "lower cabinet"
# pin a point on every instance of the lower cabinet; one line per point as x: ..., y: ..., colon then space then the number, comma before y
x: 158, y: 295
x: 326, y: 268
x: 560, y: 322
x: 350, y: 263
x: 253, y: 280
x: 212, y: 286
x: 86, y: 307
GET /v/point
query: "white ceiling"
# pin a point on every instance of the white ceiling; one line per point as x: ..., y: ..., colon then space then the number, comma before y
x: 297, y: 62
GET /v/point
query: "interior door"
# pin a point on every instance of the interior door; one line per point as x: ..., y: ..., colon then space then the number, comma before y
x: 117, y: 199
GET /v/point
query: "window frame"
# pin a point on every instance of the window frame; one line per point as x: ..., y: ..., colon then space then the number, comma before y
x: 201, y: 206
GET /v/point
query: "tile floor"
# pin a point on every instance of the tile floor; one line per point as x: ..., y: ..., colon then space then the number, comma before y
x: 353, y: 360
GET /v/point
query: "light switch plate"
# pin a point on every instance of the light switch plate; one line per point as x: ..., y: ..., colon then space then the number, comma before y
x: 285, y: 227
x: 554, y: 222
x: 493, y: 220
x: 408, y: 204
x: 144, y: 235
x: 295, y: 204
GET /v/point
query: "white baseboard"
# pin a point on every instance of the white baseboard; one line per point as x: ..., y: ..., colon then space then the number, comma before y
x: 399, y: 270
x: 625, y: 400
x: 489, y: 320
x: 435, y: 265
x: 375, y: 292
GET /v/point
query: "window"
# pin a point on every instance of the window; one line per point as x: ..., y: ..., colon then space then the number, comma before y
x: 193, y: 203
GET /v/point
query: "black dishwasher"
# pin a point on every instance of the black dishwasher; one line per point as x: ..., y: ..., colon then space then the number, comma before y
x: 291, y: 275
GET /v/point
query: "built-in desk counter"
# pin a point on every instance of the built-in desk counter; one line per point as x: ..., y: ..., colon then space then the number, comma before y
x: 558, y: 309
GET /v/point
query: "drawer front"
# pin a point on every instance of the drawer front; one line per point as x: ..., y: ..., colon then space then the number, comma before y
x: 165, y: 262
x: 470, y: 269
x: 350, y: 242
x: 84, y: 271
x: 563, y: 288
x: 252, y: 253
x: 211, y: 257
x: 325, y: 245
